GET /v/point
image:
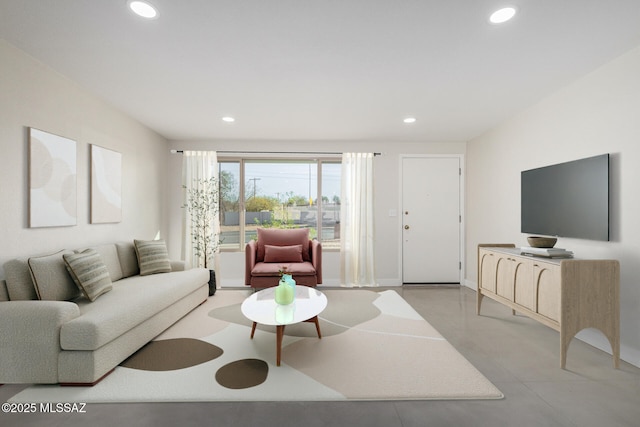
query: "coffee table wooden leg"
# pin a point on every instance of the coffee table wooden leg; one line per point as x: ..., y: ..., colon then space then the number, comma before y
x: 279, y: 334
x: 315, y: 320
x: 253, y: 329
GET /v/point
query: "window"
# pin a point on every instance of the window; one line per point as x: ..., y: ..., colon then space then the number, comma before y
x: 280, y: 193
x: 229, y: 181
x: 330, y: 190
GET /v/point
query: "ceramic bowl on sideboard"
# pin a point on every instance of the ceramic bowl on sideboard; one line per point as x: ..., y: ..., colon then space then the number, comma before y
x: 541, y: 242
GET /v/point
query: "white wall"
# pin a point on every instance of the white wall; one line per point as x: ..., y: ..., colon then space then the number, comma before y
x: 35, y: 96
x: 598, y: 114
x: 595, y: 115
x: 387, y: 197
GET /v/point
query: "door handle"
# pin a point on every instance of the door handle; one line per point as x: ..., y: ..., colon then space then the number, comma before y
x: 406, y: 227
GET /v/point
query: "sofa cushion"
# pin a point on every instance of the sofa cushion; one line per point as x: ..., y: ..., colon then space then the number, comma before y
x: 4, y: 294
x: 128, y: 259
x: 132, y: 301
x: 51, y: 279
x: 266, y: 269
x: 283, y: 253
x: 19, y: 282
x: 283, y: 237
x: 89, y: 273
x: 153, y: 256
x: 109, y: 255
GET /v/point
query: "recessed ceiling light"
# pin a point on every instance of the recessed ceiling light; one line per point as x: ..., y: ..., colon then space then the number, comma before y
x: 410, y: 120
x: 143, y: 9
x: 228, y: 119
x: 502, y: 15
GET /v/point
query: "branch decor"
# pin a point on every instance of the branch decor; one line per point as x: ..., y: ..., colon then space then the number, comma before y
x: 202, y: 205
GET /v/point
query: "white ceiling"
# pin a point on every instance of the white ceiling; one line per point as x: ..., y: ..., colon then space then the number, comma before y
x: 322, y: 69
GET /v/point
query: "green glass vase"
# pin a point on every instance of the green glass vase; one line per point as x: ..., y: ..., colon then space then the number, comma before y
x: 288, y: 278
x: 284, y: 293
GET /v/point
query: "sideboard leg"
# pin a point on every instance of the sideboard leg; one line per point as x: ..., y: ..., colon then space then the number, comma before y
x: 614, y: 340
x: 565, y: 340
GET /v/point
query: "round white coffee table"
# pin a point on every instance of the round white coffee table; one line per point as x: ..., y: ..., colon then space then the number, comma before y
x: 262, y: 308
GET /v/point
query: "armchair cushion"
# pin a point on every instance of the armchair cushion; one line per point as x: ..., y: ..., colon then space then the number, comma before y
x: 265, y: 269
x: 283, y: 237
x: 291, y: 253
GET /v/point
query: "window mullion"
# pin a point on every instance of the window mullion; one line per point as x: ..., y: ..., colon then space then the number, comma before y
x: 241, y: 209
x: 319, y: 199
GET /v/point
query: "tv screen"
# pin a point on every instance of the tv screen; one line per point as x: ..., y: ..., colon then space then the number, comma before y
x: 567, y: 200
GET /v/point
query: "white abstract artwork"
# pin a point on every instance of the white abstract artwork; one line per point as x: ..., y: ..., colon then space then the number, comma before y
x: 52, y: 180
x: 106, y: 185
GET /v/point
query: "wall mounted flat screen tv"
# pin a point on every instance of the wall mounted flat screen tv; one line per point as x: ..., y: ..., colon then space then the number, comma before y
x: 567, y: 200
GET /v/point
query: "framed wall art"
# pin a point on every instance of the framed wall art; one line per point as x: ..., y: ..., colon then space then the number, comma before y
x: 52, y: 180
x: 106, y: 185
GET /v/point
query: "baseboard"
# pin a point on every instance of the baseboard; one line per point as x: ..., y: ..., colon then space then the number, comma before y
x: 596, y: 339
x: 390, y: 282
x: 470, y: 284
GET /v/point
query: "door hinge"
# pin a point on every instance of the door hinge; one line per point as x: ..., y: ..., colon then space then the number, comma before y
x: 460, y: 219
x: 460, y: 265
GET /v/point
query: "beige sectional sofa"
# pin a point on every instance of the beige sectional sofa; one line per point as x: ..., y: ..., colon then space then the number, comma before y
x: 52, y: 332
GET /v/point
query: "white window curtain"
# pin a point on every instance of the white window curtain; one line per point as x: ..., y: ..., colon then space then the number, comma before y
x: 356, y: 221
x: 197, y: 167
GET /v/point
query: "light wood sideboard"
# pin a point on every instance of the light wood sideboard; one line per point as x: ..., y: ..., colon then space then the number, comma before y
x: 567, y: 295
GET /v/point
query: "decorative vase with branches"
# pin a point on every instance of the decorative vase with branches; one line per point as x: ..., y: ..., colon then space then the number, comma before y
x: 202, y: 204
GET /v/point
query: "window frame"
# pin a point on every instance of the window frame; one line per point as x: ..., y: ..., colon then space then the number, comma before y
x: 242, y: 160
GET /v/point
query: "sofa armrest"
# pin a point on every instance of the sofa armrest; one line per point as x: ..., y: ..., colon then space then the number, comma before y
x: 179, y: 266
x: 316, y: 258
x: 30, y: 339
x: 250, y: 255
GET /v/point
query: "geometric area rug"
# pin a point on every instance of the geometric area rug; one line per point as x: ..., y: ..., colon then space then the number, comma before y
x: 374, y: 346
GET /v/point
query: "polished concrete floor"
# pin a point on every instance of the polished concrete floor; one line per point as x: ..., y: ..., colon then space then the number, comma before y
x: 520, y: 356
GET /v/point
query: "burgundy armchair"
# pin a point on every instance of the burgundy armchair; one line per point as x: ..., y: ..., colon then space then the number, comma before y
x: 279, y: 249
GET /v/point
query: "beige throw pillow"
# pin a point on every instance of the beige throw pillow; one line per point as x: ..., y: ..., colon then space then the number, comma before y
x: 89, y: 273
x: 153, y: 257
x: 19, y: 281
x: 51, y: 279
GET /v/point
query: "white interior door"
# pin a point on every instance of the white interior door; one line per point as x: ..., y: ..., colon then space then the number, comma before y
x: 431, y: 220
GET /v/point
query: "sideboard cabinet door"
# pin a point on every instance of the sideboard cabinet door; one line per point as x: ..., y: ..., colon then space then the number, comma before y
x: 547, y: 278
x: 488, y: 270
x: 524, y: 289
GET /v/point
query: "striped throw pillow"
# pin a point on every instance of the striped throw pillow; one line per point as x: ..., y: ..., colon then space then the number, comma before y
x: 89, y: 273
x: 152, y: 256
